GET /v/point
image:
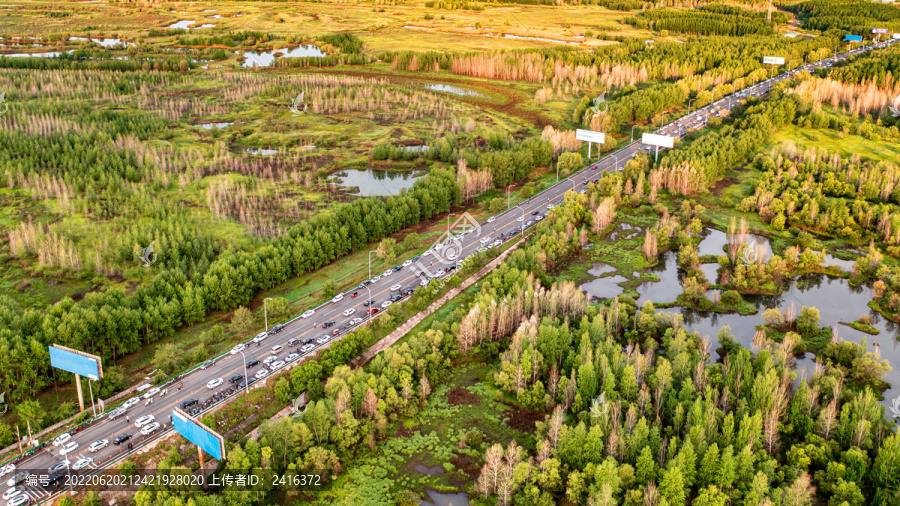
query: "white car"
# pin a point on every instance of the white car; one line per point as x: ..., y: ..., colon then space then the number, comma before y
x: 260, y: 337
x: 356, y: 321
x: 491, y: 219
x: 96, y: 446
x: 485, y: 240
x: 19, y: 500
x: 144, y: 420
x: 69, y: 447
x: 337, y: 298
x: 520, y: 218
x: 538, y: 218
x: 262, y: 373
x: 395, y: 288
x: 65, y: 436
x: 424, y: 282
x: 150, y: 393
x: 376, y: 278
x: 276, y: 349
x: 82, y: 463
x: 148, y: 429
x: 407, y: 263
x: 276, y: 365
x: 239, y: 348
x: 8, y: 468
x: 214, y: 383
x: 292, y: 356
x: 9, y: 494
x: 387, y: 273
x: 386, y: 304
x: 349, y: 312
x: 308, y: 314
x: 323, y: 339
x: 307, y: 348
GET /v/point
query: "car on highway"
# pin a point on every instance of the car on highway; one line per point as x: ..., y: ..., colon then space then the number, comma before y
x: 291, y: 357
x: 407, y: 292
x: 396, y: 297
x: 117, y: 412
x: 8, y: 468
x: 535, y: 213
x: 268, y: 360
x: 423, y: 282
x: 82, y: 463
x: 144, y: 420
x: 538, y: 218
x: 337, y: 298
x: 407, y: 263
x: 239, y: 348
x: 293, y: 341
x: 188, y: 403
x: 356, y: 321
x: 9, y: 494
x: 374, y: 310
x: 397, y: 269
x: 19, y: 478
x: 349, y: 312
x: 387, y: 273
x: 491, y: 219
x: 328, y: 324
x: 354, y: 295
x: 62, y: 439
x: 307, y: 348
x: 213, y: 383
x: 308, y: 314
x: 68, y: 448
x: 131, y: 402
x: 376, y: 279
x: 336, y: 331
x: 262, y: 373
x: 150, y: 393
x: 59, y: 465
x: 452, y: 256
x: 323, y: 339
x: 395, y: 288
x: 260, y: 337
x: 96, y: 446
x: 485, y: 240
x: 276, y: 329
x: 207, y: 364
x: 520, y: 218
x: 121, y: 438
x: 149, y: 428
x: 276, y: 349
x: 236, y: 378
x: 19, y: 500
x: 252, y: 363
x: 529, y: 223
x: 277, y: 364
x: 368, y: 303
x: 385, y: 304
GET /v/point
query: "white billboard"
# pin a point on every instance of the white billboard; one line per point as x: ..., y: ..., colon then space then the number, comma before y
x: 773, y: 60
x: 590, y: 136
x: 896, y: 36
x: 663, y: 141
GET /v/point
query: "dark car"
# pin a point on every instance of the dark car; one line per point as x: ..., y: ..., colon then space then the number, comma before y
x: 416, y: 257
x: 188, y: 403
x: 53, y: 480
x: 365, y: 283
x: 309, y: 340
x: 236, y: 378
x: 327, y: 324
x: 451, y: 268
x: 121, y: 438
x: 535, y: 213
x: 408, y: 291
x: 277, y: 328
x: 207, y: 364
x: 368, y: 302
x: 252, y: 363
x: 395, y: 269
x: 293, y: 341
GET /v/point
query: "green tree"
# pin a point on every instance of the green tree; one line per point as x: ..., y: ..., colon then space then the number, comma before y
x: 242, y: 320
x: 569, y: 163
x: 30, y: 411
x: 329, y: 288
x: 168, y: 357
x: 807, y: 321
x: 277, y: 308
x: 387, y: 249
x: 671, y: 487
x: 412, y: 241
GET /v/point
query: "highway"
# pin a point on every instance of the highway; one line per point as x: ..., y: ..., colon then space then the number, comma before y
x: 512, y: 221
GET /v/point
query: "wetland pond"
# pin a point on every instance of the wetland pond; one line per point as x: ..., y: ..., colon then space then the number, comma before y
x: 375, y: 183
x: 835, y: 299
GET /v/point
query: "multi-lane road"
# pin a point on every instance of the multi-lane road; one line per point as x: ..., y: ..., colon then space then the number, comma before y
x: 383, y: 286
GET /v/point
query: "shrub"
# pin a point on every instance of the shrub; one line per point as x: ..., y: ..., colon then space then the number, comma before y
x: 731, y: 298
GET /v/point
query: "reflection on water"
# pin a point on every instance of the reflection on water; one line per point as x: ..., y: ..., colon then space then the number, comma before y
x: 714, y: 242
x: 376, y: 183
x: 51, y: 54
x: 262, y: 151
x: 455, y: 90
x: 442, y: 499
x: 210, y: 126
x: 668, y: 288
x: 602, y: 287
x: 105, y: 42
x: 266, y: 58
x: 186, y: 25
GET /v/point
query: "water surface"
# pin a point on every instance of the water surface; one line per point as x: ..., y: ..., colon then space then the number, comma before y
x: 376, y: 183
x: 267, y: 58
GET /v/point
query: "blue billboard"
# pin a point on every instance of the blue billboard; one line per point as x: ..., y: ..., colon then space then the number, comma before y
x: 199, y: 434
x: 76, y: 362
x: 852, y: 38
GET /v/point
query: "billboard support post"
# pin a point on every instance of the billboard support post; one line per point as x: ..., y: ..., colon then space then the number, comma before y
x: 80, y: 394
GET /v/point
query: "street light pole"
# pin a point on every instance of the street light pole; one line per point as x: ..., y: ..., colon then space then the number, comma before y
x: 370, y: 262
x: 616, y: 158
x: 69, y: 472
x: 369, y: 307
x: 632, y: 132
x: 266, y: 311
x: 507, y: 195
x: 246, y: 379
x: 557, y: 170
x: 691, y: 101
